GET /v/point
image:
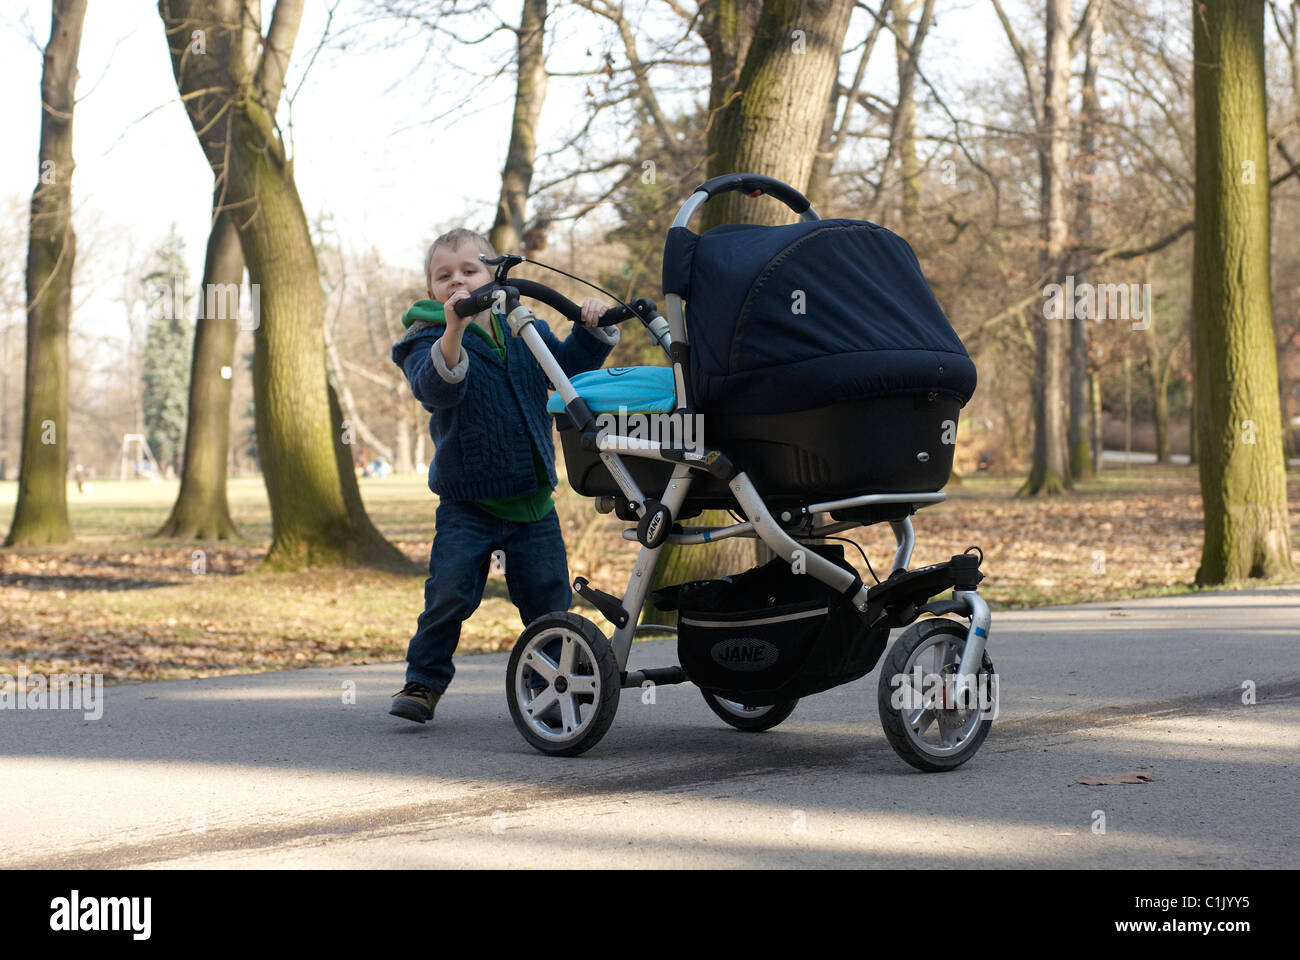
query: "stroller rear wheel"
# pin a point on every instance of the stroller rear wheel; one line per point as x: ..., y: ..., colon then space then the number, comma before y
x: 921, y: 724
x: 751, y: 719
x: 562, y: 684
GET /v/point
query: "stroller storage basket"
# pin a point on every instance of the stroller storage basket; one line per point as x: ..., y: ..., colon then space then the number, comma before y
x: 770, y: 634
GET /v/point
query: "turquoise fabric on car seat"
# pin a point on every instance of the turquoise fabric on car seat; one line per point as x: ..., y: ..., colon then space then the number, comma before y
x: 635, y: 389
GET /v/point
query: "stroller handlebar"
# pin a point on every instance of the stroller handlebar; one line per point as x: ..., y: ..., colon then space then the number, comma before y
x: 487, y: 295
x: 754, y: 184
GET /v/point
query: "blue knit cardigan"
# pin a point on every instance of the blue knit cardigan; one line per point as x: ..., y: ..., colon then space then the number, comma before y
x: 481, y: 426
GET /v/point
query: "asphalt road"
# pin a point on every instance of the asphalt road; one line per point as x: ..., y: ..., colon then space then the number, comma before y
x: 277, y: 770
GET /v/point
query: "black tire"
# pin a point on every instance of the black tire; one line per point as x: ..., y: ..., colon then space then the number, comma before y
x: 769, y: 718
x: 539, y: 650
x: 925, y: 635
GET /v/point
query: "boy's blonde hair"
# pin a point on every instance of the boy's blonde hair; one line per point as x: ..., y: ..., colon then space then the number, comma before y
x: 453, y: 239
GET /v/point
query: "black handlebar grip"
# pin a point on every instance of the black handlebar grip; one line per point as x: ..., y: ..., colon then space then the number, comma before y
x: 614, y: 315
x: 552, y: 298
x: 478, y: 300
x: 643, y: 308
x: 754, y: 184
x: 485, y: 296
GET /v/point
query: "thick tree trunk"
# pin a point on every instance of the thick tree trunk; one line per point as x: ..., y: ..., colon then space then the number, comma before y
x: 1242, y: 471
x: 317, y: 517
x: 316, y: 512
x: 530, y: 92
x: 773, y: 122
x: 200, y: 56
x: 1050, y: 471
x: 201, y: 511
x: 726, y: 27
x: 41, y: 513
x: 770, y: 124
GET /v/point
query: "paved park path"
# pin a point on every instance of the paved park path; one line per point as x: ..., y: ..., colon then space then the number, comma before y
x: 277, y: 770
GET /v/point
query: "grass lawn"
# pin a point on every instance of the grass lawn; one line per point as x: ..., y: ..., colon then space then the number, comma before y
x: 131, y: 607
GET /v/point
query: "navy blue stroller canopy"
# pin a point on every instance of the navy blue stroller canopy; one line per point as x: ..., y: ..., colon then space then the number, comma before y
x: 789, y: 318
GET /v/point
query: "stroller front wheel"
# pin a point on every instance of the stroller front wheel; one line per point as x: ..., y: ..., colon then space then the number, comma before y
x: 562, y: 684
x: 923, y: 727
x: 750, y: 719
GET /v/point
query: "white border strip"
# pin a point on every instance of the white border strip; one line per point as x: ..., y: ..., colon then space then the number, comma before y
x: 754, y: 623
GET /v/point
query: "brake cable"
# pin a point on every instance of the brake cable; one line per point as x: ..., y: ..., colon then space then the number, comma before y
x: 520, y: 258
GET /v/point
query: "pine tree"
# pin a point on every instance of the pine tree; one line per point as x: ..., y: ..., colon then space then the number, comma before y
x: 168, y: 340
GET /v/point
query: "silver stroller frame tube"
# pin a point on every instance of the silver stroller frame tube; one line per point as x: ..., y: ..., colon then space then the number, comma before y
x: 638, y: 584
x: 977, y: 635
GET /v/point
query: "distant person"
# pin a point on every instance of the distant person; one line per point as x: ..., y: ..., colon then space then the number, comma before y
x: 80, y: 476
x: 494, y: 463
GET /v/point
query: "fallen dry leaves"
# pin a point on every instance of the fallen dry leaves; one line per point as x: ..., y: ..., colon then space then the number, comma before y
x: 141, y: 613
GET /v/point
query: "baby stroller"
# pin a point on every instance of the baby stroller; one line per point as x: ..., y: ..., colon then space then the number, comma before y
x: 818, y: 391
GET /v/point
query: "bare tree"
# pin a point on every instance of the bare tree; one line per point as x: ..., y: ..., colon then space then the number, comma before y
x: 1078, y: 439
x: 41, y: 513
x: 768, y: 123
x: 530, y: 93
x: 317, y: 517
x: 1243, y: 475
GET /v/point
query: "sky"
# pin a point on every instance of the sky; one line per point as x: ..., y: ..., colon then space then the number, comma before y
x: 365, y: 155
x: 370, y: 149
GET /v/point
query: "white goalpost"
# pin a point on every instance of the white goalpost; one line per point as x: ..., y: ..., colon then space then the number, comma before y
x: 135, y: 449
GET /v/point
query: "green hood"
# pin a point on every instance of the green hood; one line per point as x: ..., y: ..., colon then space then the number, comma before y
x: 429, y: 311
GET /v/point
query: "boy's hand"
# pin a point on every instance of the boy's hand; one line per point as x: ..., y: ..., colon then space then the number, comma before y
x: 456, y: 324
x: 592, y: 310
x: 449, y: 343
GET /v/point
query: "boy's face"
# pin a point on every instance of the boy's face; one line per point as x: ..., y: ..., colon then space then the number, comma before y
x: 456, y: 269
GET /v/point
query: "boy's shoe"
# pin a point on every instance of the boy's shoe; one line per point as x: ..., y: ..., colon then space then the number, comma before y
x: 415, y: 702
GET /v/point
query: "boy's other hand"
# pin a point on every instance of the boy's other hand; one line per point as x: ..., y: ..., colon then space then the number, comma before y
x: 592, y: 310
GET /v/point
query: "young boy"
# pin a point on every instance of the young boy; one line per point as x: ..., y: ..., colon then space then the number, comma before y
x: 494, y: 463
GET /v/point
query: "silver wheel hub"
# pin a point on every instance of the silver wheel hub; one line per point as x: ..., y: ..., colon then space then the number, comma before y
x: 557, y: 684
x: 939, y: 730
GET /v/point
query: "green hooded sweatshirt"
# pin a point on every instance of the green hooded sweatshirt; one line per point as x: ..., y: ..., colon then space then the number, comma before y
x: 522, y: 507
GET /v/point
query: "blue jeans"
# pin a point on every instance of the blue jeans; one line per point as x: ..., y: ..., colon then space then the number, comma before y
x: 537, y: 578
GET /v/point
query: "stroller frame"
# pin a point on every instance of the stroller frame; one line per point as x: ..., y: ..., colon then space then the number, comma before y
x: 895, y: 601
